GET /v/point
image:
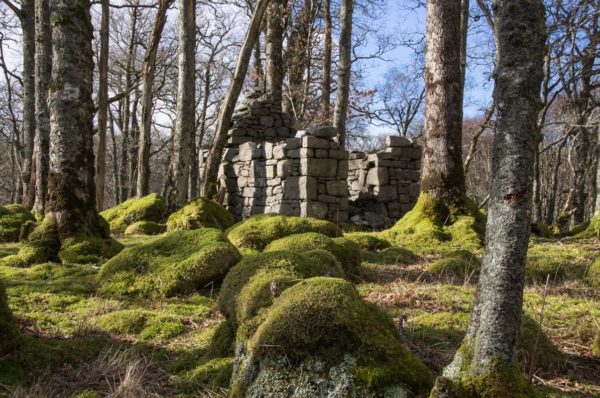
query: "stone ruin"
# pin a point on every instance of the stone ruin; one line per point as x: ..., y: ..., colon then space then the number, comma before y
x: 270, y: 167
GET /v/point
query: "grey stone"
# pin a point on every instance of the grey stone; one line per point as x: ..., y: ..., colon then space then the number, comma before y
x: 323, y: 131
x: 313, y: 209
x: 397, y: 141
x: 377, y: 176
x: 266, y: 121
x: 337, y: 188
x: 249, y: 151
x: 314, y: 142
x: 318, y: 167
x: 385, y: 193
x: 300, y: 188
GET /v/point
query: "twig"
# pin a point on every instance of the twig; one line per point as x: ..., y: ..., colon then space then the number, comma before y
x: 539, y: 331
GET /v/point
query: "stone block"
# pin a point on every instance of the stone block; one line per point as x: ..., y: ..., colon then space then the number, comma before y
x: 377, y: 176
x: 284, y: 168
x: 266, y: 121
x: 342, y: 170
x: 337, y: 188
x: 314, y: 142
x: 321, y: 153
x: 304, y: 188
x: 397, y: 141
x: 313, y: 209
x: 293, y: 143
x: 318, y: 167
x: 323, y: 131
x: 249, y: 151
x: 385, y: 193
x: 278, y: 152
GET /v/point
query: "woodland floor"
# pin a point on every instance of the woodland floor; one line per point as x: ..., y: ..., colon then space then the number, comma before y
x: 73, y: 349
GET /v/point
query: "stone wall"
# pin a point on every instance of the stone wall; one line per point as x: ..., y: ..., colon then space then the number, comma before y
x: 301, y: 176
x: 384, y: 185
x: 269, y: 167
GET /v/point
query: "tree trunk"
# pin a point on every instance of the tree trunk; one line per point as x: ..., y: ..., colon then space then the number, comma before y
x: 27, y: 18
x: 326, y: 84
x: 145, y: 143
x: 551, y: 208
x: 177, y: 190
x: 597, y: 185
x: 537, y: 187
x: 102, y: 104
x: 464, y: 33
x: 134, y: 134
x: 211, y: 171
x: 443, y: 174
x: 345, y: 64
x: 487, y: 353
x: 43, y: 66
x: 257, y: 73
x: 115, y: 163
x: 274, y: 50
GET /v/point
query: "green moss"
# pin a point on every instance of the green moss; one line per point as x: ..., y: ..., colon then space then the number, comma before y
x: 561, y: 262
x: 214, y: 373
x: 368, y: 241
x: 12, y: 217
x: 89, y: 244
x: 457, y: 263
x: 179, y: 262
x: 432, y: 224
x: 147, y: 325
x: 326, y: 318
x: 390, y: 256
x: 593, y: 273
x: 200, y: 212
x: 589, y: 230
x: 145, y: 228
x: 256, y: 232
x: 148, y: 208
x: 347, y: 252
x: 247, y: 287
x: 8, y: 328
x: 445, y: 329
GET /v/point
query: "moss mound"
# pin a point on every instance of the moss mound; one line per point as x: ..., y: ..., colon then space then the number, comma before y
x: 431, y: 224
x: 145, y: 228
x: 346, y: 251
x: 179, y: 262
x: 368, y: 241
x: 148, y: 208
x: 199, y: 213
x: 146, y: 325
x: 456, y: 264
x: 593, y: 272
x: 591, y: 230
x: 391, y: 256
x: 326, y: 318
x: 256, y: 232
x: 214, y: 373
x: 12, y: 217
x: 249, y: 285
x: 89, y: 244
x: 8, y: 328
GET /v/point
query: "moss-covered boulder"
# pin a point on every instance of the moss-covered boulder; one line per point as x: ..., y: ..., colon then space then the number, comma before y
x: 199, y: 213
x: 12, y: 217
x: 346, y: 251
x: 431, y: 224
x: 591, y: 230
x: 252, y: 284
x: 321, y: 339
x: 148, y: 208
x: 255, y: 233
x: 9, y: 331
x: 368, y: 241
x: 89, y: 244
x: 144, y: 324
x: 593, y: 272
x: 456, y: 264
x: 145, y: 228
x: 179, y: 262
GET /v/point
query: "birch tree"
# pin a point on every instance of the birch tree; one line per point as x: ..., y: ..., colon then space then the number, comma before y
x: 344, y: 69
x: 485, y: 365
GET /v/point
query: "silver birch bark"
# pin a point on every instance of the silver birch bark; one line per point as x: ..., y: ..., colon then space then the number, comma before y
x: 345, y: 64
x: 443, y: 174
x: 274, y: 51
x: 43, y: 65
x: 326, y: 83
x: 178, y: 179
x: 102, y: 104
x: 487, y: 353
x: 149, y: 70
x: 209, y: 183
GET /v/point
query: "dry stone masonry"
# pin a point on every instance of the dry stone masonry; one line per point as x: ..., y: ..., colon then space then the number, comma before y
x: 269, y: 167
x: 384, y: 185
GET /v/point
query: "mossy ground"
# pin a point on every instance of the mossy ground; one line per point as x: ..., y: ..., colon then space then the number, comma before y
x: 12, y: 218
x: 199, y: 213
x: 149, y: 208
x: 182, y: 346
